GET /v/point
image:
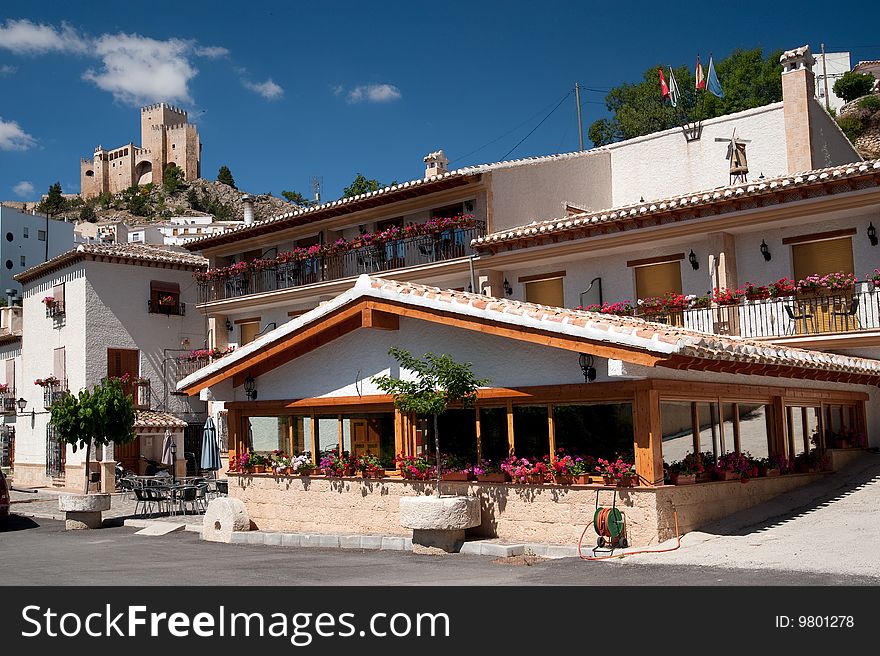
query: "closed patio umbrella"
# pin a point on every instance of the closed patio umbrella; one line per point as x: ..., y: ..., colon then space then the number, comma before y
x: 168, y: 451
x: 210, y: 447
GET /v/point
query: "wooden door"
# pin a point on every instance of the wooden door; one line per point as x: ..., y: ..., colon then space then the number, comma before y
x: 129, y: 455
x: 364, y: 437
x: 121, y: 362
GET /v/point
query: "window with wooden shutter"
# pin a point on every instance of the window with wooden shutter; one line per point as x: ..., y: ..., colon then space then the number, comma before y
x: 59, y: 364
x: 165, y: 297
x: 545, y: 292
x: 822, y: 257
x: 248, y: 332
x: 10, y: 375
x: 658, y: 279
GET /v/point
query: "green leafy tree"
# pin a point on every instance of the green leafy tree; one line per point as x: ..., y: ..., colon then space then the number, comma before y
x: 137, y: 200
x: 172, y: 178
x: 54, y: 203
x: 100, y: 416
x: 852, y: 85
x: 224, y: 175
x: 747, y: 77
x: 361, y: 185
x: 298, y: 198
x: 105, y: 199
x: 192, y: 197
x: 440, y: 382
x: 87, y: 212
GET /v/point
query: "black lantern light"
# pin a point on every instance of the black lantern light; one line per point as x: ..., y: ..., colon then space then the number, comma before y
x: 765, y: 251
x: 872, y: 234
x: 692, y: 258
x: 586, y: 363
x: 507, y: 288
x: 228, y: 324
x: 22, y: 404
x: 250, y: 388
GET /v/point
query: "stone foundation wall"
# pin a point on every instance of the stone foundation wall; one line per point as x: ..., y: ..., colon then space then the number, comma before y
x: 514, y: 513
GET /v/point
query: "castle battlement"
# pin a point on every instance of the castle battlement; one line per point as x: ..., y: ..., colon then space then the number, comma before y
x: 172, y: 108
x: 174, y: 126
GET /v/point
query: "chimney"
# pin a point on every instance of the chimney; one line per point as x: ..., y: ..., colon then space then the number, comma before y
x: 10, y: 297
x: 798, y: 91
x: 436, y: 163
x: 248, y: 204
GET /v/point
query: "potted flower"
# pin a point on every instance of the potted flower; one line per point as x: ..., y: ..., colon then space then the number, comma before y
x: 519, y: 469
x: 337, y: 464
x: 724, y: 296
x: 166, y: 299
x: 838, y: 282
x: 697, y: 302
x: 370, y: 466
x: 811, y: 285
x: 685, y: 471
x: 782, y: 288
x: 454, y: 469
x: 258, y: 463
x: 49, y: 301
x: 539, y: 473
x: 415, y: 468
x: 754, y: 292
x: 302, y: 464
x: 733, y: 466
x: 767, y: 467
x: 617, y: 472
x: 488, y: 472
x: 243, y: 463
x: 780, y: 462
x: 874, y: 279
x: 560, y: 468
x: 580, y: 469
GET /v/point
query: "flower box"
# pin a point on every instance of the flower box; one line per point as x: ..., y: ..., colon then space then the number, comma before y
x: 376, y: 473
x: 627, y: 481
x: 499, y: 477
x: 683, y: 479
x: 455, y: 476
x: 563, y: 479
x: 582, y: 479
x: 535, y: 479
x: 769, y: 471
x: 726, y: 475
x: 259, y: 469
x: 608, y: 480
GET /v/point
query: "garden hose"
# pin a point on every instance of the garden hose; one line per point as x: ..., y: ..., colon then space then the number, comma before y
x: 597, y: 522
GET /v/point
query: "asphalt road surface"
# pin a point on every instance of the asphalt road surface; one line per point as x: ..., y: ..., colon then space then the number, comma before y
x: 40, y: 552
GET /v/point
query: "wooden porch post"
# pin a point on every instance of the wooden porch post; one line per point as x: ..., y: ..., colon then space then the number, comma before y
x: 779, y: 426
x: 235, y: 443
x: 648, y: 437
x: 510, y: 438
x: 479, y: 435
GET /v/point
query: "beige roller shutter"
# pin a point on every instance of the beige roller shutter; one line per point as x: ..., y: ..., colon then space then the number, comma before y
x: 546, y: 292
x: 822, y: 257
x: 248, y: 332
x: 657, y: 279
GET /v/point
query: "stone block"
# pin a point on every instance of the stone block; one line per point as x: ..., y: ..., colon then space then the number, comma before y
x: 309, y: 540
x: 223, y: 517
x: 83, y: 502
x: 328, y: 541
x: 391, y: 543
x: 430, y: 541
x: 75, y: 521
x: 272, y: 539
x: 160, y: 528
x: 290, y: 540
x: 439, y: 513
x: 350, y: 541
x: 371, y: 542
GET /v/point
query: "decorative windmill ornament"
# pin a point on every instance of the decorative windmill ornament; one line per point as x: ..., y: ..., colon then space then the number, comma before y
x: 736, y: 153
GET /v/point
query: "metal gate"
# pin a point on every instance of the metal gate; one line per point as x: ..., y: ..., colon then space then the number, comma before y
x: 7, y: 447
x: 192, y: 447
x: 54, y: 453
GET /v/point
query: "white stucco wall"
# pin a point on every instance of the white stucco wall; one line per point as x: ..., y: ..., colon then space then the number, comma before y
x: 663, y: 164
x: 344, y: 367
x: 33, y: 249
x: 540, y: 190
x: 830, y: 145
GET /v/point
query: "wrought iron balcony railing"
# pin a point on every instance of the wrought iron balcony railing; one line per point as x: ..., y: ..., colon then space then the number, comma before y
x: 377, y: 258
x: 54, y: 392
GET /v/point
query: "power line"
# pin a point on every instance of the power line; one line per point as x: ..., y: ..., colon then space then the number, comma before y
x: 564, y: 98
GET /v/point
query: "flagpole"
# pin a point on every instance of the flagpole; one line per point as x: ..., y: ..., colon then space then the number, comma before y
x: 577, y: 97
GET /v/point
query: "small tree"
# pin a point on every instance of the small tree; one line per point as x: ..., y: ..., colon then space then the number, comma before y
x: 100, y: 416
x: 224, y: 175
x: 54, y: 203
x: 296, y: 197
x: 172, y: 176
x: 440, y: 382
x: 361, y: 185
x: 852, y: 85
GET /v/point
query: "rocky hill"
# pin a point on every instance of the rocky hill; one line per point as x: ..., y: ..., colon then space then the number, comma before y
x: 152, y: 203
x: 860, y: 121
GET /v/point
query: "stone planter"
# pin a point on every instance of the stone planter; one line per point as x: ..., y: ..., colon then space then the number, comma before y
x: 438, y: 523
x: 83, y: 510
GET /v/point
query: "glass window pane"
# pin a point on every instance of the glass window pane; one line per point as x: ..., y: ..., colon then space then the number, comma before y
x: 710, y: 431
x: 678, y: 432
x: 328, y: 433
x: 753, y: 435
x: 795, y: 432
x: 493, y: 433
x: 266, y: 434
x: 458, y: 434
x: 599, y: 430
x: 531, y: 434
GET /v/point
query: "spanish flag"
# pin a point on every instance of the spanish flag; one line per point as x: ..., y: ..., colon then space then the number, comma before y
x: 698, y: 76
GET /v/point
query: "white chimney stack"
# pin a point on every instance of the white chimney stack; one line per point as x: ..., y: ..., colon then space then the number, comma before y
x: 248, y: 204
x: 436, y: 163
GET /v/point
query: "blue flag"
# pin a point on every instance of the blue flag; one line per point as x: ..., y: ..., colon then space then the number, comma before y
x: 712, y: 83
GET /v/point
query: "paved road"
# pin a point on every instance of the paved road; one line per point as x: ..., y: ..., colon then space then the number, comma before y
x: 40, y: 552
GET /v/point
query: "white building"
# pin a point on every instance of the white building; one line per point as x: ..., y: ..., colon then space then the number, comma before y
x: 10, y: 354
x: 829, y: 68
x: 180, y: 229
x: 99, y: 311
x: 26, y: 240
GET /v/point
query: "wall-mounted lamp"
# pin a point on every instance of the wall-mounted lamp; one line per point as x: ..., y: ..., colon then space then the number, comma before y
x: 507, y: 288
x: 250, y: 388
x: 586, y: 363
x: 692, y: 258
x: 872, y: 234
x: 228, y: 325
x: 765, y: 251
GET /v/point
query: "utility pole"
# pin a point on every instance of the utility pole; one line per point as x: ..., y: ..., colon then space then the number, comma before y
x: 577, y: 97
x: 825, y: 77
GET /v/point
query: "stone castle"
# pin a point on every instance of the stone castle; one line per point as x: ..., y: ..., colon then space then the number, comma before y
x: 166, y: 137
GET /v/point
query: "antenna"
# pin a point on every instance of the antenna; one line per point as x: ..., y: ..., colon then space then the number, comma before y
x: 317, y: 183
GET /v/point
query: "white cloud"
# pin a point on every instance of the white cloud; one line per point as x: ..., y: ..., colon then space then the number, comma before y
x: 376, y: 93
x: 25, y: 37
x: 211, y: 52
x: 12, y: 137
x: 24, y: 189
x: 268, y: 89
x: 140, y: 70
x: 7, y: 70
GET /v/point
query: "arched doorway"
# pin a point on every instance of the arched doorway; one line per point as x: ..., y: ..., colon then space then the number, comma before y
x: 143, y: 173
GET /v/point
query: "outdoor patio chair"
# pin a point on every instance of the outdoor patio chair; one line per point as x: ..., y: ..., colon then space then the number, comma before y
x: 846, y: 318
x: 188, y: 495
x: 222, y: 488
x: 126, y: 487
x: 149, y: 499
x: 802, y: 316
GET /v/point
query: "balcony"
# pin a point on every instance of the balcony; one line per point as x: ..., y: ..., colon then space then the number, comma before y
x: 262, y: 276
x: 158, y: 307
x: 54, y: 392
x: 54, y: 307
x: 8, y: 402
x: 141, y: 394
x: 792, y: 316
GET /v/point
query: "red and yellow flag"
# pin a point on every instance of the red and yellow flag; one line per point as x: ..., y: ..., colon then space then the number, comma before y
x: 664, y: 89
x: 698, y: 76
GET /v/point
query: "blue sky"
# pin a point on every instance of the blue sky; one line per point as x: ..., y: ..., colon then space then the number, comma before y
x: 285, y: 91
